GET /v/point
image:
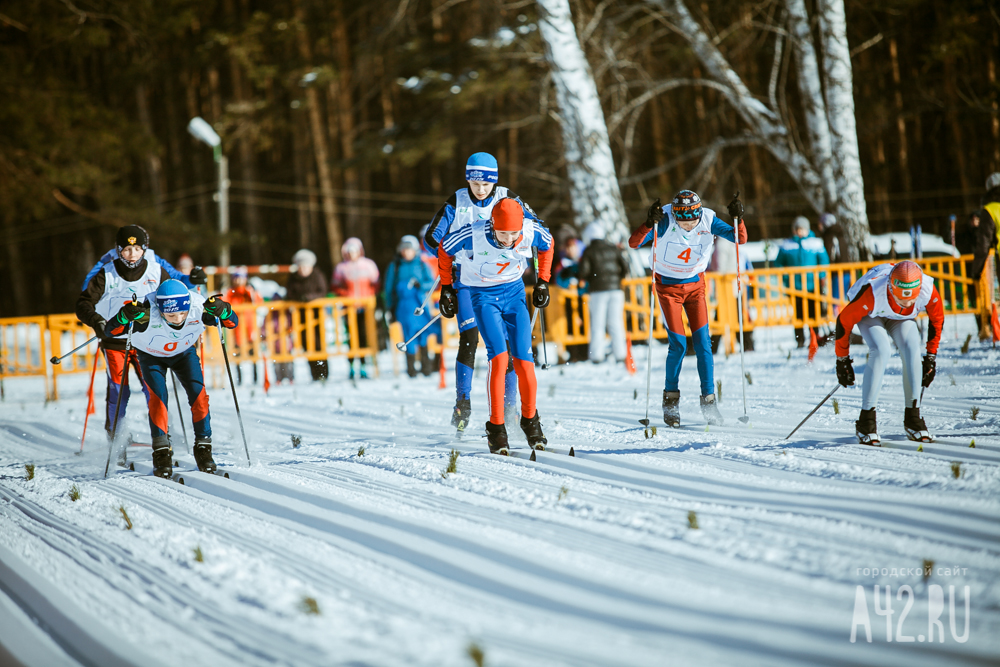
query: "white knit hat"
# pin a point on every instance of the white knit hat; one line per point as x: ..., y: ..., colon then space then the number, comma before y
x: 593, y: 232
x: 304, y: 257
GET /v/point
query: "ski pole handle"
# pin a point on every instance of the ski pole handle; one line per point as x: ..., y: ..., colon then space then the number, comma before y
x: 402, y: 346
x: 420, y: 311
x: 58, y: 360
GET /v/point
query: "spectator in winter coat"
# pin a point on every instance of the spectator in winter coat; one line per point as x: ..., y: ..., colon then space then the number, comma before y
x: 835, y: 242
x: 724, y: 261
x: 306, y: 284
x: 602, y: 267
x: 988, y: 236
x: 244, y: 335
x: 406, y: 282
x: 356, y: 276
x: 803, y: 249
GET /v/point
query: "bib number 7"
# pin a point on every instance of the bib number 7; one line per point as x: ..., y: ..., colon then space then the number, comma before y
x: 501, y: 267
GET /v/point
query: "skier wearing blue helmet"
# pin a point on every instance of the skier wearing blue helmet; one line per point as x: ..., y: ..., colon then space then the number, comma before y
x: 472, y: 203
x: 166, y: 338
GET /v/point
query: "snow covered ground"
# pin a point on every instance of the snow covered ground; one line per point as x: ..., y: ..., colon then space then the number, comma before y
x: 589, y: 560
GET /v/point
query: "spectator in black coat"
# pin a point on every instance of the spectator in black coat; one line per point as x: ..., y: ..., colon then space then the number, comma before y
x: 602, y: 267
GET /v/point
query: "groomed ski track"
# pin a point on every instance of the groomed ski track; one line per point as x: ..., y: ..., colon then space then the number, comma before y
x: 561, y: 561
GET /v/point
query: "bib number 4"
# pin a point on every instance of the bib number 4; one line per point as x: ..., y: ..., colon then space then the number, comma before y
x: 686, y: 255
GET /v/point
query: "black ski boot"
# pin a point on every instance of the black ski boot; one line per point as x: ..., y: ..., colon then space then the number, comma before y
x: 533, y: 432
x: 460, y: 417
x: 915, y: 427
x: 426, y: 365
x: 496, y: 437
x: 203, y: 454
x: 163, y: 463
x: 710, y: 410
x: 411, y: 365
x: 672, y: 408
x: 867, y: 428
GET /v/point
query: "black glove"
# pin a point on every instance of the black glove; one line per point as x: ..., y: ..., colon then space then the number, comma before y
x: 133, y: 312
x: 99, y: 324
x: 655, y: 214
x: 845, y: 372
x: 540, y: 297
x: 198, y: 276
x: 216, y: 307
x: 448, y: 303
x: 930, y: 369
x: 736, y: 208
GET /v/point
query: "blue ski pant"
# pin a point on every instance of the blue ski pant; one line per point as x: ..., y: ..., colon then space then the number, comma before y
x: 187, y: 368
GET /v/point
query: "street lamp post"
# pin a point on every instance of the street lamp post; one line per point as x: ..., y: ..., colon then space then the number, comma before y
x: 204, y: 133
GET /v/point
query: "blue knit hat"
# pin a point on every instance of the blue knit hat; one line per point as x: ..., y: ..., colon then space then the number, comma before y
x: 173, y: 297
x: 482, y: 167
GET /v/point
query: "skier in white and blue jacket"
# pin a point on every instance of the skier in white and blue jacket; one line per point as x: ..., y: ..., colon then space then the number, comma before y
x: 469, y: 204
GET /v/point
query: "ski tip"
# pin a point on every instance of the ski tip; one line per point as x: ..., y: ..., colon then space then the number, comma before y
x: 131, y: 466
x: 226, y: 475
x: 532, y: 457
x: 180, y: 480
x: 572, y: 452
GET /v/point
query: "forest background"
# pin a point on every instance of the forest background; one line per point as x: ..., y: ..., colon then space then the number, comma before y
x: 348, y: 119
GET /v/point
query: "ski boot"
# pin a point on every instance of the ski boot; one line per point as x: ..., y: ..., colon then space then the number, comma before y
x: 672, y: 408
x: 915, y: 427
x: 867, y: 428
x: 710, y: 410
x: 461, y: 414
x: 411, y: 365
x: 163, y: 463
x: 533, y: 432
x: 203, y: 454
x: 496, y: 437
x: 426, y: 365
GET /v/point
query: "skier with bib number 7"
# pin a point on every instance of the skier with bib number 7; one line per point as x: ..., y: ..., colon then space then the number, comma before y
x: 165, y: 338
x: 685, y: 234
x: 469, y: 204
x: 494, y: 254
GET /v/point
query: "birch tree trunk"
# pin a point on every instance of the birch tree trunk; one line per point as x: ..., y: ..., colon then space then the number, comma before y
x: 850, y: 205
x: 589, y: 163
x: 811, y: 91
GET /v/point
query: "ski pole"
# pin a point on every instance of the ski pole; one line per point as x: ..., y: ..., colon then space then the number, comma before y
x: 534, y: 318
x: 739, y: 305
x: 58, y: 360
x: 402, y: 346
x: 90, y: 403
x: 232, y: 386
x: 420, y: 310
x: 545, y: 350
x: 121, y: 392
x: 649, y: 348
x: 180, y: 413
x: 825, y: 399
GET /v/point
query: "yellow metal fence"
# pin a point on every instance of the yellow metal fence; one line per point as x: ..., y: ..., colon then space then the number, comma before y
x: 282, y: 331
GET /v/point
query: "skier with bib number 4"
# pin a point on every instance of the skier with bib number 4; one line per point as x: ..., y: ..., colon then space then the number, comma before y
x: 884, y: 305
x: 494, y: 254
x: 685, y: 234
x: 165, y: 338
x: 470, y: 204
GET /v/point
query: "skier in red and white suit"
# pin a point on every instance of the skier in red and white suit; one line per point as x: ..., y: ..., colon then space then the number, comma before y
x: 884, y: 305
